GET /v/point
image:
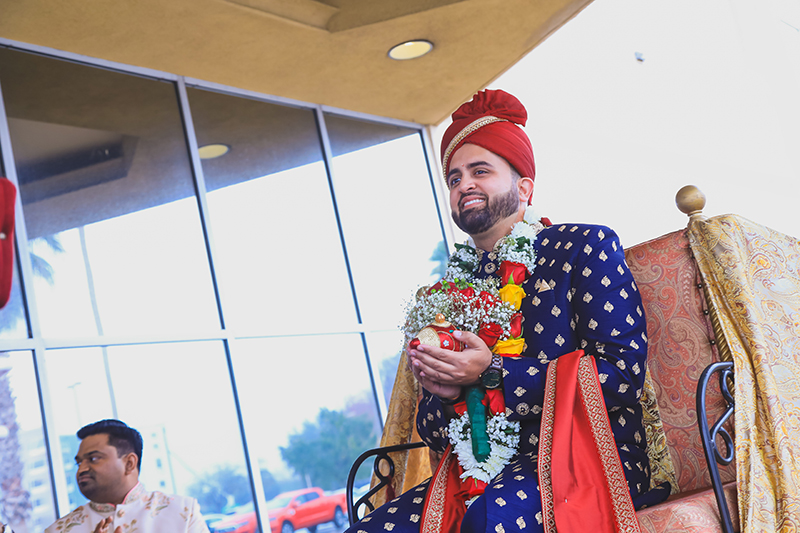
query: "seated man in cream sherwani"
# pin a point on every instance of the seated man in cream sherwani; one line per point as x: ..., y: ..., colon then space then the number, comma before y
x: 109, y: 458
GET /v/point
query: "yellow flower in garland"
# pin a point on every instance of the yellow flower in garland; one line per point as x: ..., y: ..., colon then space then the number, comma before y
x: 510, y: 346
x: 512, y: 294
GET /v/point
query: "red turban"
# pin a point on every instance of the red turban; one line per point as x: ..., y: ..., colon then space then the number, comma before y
x: 490, y: 121
x: 7, y: 195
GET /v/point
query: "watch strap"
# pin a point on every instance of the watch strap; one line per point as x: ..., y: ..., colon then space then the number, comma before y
x: 492, y: 377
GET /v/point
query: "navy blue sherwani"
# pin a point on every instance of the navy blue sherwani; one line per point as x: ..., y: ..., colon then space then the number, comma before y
x: 580, y: 296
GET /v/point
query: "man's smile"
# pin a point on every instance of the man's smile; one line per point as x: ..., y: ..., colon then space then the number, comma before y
x: 473, y: 201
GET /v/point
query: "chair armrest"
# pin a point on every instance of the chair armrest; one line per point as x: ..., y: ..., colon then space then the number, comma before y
x: 709, y: 435
x: 381, y: 454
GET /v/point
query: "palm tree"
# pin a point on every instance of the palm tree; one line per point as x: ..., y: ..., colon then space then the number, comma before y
x: 16, y: 505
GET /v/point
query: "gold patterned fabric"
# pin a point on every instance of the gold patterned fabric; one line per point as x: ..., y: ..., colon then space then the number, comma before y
x: 411, y: 467
x: 752, y: 279
x: 661, y: 467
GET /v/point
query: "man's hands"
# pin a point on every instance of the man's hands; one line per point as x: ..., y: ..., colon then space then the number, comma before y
x: 444, y: 372
x: 104, y: 524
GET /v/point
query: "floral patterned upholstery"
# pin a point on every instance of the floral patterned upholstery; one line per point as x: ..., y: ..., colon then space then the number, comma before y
x: 680, y: 346
x: 688, y: 512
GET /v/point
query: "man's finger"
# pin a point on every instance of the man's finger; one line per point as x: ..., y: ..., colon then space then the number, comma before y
x: 432, y: 368
x: 470, y: 339
x: 441, y: 354
x: 437, y: 359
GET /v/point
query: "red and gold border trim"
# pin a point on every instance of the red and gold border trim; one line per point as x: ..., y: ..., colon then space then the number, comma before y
x: 546, y: 450
x: 433, y: 514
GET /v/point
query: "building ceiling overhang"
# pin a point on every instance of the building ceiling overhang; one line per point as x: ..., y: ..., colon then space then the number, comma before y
x: 330, y: 52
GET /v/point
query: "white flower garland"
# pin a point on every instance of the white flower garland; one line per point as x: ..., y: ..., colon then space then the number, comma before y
x: 503, y: 439
x: 467, y: 314
x: 516, y: 247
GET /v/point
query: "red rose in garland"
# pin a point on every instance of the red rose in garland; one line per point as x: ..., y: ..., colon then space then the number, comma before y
x: 511, y: 272
x: 490, y: 333
x: 488, y: 300
x: 516, y: 326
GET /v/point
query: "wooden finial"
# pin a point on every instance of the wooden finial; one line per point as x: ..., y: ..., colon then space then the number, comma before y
x: 691, y: 200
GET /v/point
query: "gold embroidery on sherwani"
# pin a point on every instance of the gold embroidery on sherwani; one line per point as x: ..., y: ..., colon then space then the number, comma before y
x: 751, y: 278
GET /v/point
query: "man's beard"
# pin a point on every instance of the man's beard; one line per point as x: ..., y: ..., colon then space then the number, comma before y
x: 478, y: 220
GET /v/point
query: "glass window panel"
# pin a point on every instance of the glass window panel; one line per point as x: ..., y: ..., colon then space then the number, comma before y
x: 307, y: 430
x: 13, y: 323
x: 177, y: 395
x: 109, y: 200
x: 272, y: 217
x: 388, y: 213
x: 28, y: 504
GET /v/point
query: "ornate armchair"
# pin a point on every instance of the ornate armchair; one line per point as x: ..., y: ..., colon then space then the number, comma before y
x: 722, y: 293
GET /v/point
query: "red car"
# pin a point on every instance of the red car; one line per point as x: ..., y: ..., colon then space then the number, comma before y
x: 304, y: 508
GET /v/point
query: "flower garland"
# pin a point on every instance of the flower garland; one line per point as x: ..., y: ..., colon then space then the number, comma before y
x: 490, y: 309
x: 469, y: 306
x: 503, y: 439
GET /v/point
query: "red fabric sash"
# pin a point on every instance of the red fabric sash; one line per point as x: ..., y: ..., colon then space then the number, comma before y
x: 8, y: 195
x: 445, y: 502
x: 582, y: 483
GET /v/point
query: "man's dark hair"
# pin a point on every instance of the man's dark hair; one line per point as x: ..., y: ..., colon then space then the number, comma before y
x: 121, y: 436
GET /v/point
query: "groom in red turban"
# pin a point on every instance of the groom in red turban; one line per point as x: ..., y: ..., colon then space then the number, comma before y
x: 581, y: 466
x: 491, y: 120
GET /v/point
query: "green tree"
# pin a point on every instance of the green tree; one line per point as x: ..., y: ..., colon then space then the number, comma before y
x: 324, y: 451
x: 440, y: 257
x: 218, y: 489
x: 271, y: 486
x: 15, y: 503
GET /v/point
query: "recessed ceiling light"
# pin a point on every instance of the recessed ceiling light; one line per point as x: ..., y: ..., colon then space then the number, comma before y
x: 410, y: 50
x: 210, y: 151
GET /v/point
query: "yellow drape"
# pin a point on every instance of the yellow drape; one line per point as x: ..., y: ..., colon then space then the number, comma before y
x: 752, y: 279
x: 412, y: 467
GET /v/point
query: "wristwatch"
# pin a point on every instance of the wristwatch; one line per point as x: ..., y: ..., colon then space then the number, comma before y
x: 492, y: 377
x: 448, y: 401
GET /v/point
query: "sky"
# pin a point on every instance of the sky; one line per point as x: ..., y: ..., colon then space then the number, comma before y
x: 713, y: 104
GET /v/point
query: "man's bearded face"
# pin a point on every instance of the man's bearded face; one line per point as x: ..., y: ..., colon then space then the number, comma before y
x: 476, y: 220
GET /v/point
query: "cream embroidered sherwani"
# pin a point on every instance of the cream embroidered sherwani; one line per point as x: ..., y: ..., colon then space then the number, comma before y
x: 142, y: 511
